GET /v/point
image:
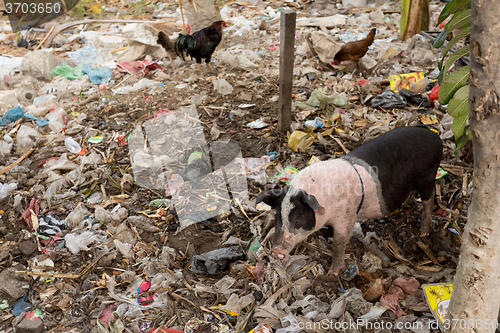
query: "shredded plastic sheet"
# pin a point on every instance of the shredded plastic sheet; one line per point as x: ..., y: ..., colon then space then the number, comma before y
x: 17, y: 113
x: 99, y: 75
x: 68, y: 72
x: 88, y: 55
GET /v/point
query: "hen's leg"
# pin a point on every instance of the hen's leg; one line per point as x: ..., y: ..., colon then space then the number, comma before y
x: 207, y: 61
x: 356, y: 64
x: 198, y: 62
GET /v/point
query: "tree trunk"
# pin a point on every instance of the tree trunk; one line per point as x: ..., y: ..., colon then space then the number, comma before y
x: 426, y: 16
x: 476, y: 294
x: 412, y: 11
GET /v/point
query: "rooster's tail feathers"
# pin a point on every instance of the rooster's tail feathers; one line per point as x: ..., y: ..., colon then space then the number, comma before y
x: 182, y: 45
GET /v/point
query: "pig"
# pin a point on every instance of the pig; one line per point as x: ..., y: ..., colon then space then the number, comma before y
x: 369, y: 182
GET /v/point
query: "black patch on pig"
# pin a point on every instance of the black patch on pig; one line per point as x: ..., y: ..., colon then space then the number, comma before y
x: 302, y: 214
x: 405, y: 158
x: 274, y: 198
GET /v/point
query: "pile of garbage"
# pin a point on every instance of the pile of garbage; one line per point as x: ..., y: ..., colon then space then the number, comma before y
x: 128, y: 180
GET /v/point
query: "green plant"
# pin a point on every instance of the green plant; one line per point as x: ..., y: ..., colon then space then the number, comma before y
x: 140, y: 7
x: 454, y: 88
x: 81, y: 7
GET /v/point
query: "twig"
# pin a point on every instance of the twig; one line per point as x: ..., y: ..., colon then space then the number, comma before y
x: 340, y: 144
x: 429, y: 253
x: 449, y: 211
x: 90, y: 98
x: 182, y: 15
x: 54, y: 275
x: 176, y: 296
x: 120, y: 49
x: 45, y: 38
x: 455, y: 166
x: 241, y: 207
x: 245, y: 320
x: 7, y: 168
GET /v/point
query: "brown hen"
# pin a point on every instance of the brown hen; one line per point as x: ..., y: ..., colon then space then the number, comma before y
x: 354, y: 50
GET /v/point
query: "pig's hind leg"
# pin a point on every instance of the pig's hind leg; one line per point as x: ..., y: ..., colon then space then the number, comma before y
x: 425, y: 188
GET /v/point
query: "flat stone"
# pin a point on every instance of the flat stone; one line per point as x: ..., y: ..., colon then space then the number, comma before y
x: 27, y: 247
x: 13, y: 285
x: 39, y: 63
x: 29, y: 326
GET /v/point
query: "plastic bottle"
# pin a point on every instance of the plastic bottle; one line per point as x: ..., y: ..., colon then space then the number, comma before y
x: 72, y: 145
x: 318, y: 122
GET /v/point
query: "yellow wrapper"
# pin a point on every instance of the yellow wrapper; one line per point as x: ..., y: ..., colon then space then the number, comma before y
x: 402, y: 81
x: 438, y: 298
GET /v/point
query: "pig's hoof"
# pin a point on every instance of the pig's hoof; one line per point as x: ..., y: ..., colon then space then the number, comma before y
x: 424, y: 232
x: 332, y: 272
x: 335, y: 271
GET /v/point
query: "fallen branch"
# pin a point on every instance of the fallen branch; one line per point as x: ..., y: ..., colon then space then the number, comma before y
x: 53, y: 275
x: 45, y: 38
x: 449, y: 211
x: 63, y: 27
x: 7, y: 168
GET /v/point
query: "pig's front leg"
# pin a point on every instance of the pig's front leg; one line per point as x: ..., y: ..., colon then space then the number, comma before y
x: 342, y: 233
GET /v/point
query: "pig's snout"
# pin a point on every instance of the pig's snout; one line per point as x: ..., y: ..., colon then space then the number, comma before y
x: 278, y: 253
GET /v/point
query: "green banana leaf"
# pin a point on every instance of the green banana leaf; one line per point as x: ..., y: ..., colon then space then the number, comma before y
x: 452, y: 8
x: 454, y: 81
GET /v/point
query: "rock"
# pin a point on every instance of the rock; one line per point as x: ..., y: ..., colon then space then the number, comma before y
x: 39, y: 63
x: 13, y: 285
x: 128, y: 30
x: 29, y: 326
x: 27, y: 247
x: 110, y: 42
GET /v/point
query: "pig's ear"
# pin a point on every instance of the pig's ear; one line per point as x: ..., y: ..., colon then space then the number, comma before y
x: 271, y: 197
x: 311, y: 201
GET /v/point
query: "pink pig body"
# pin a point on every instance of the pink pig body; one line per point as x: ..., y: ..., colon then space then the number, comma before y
x: 337, y: 187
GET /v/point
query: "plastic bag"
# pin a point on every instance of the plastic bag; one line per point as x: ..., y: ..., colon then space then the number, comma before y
x: 25, y: 135
x: 319, y: 99
x: 118, y: 214
x: 57, y: 119
x: 98, y: 76
x: 223, y: 87
x: 237, y: 61
x: 388, y: 100
x: 68, y: 72
x: 6, y: 189
x: 9, y: 65
x: 77, y: 216
x: 78, y: 242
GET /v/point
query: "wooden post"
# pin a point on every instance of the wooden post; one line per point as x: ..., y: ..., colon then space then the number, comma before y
x: 287, y: 50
